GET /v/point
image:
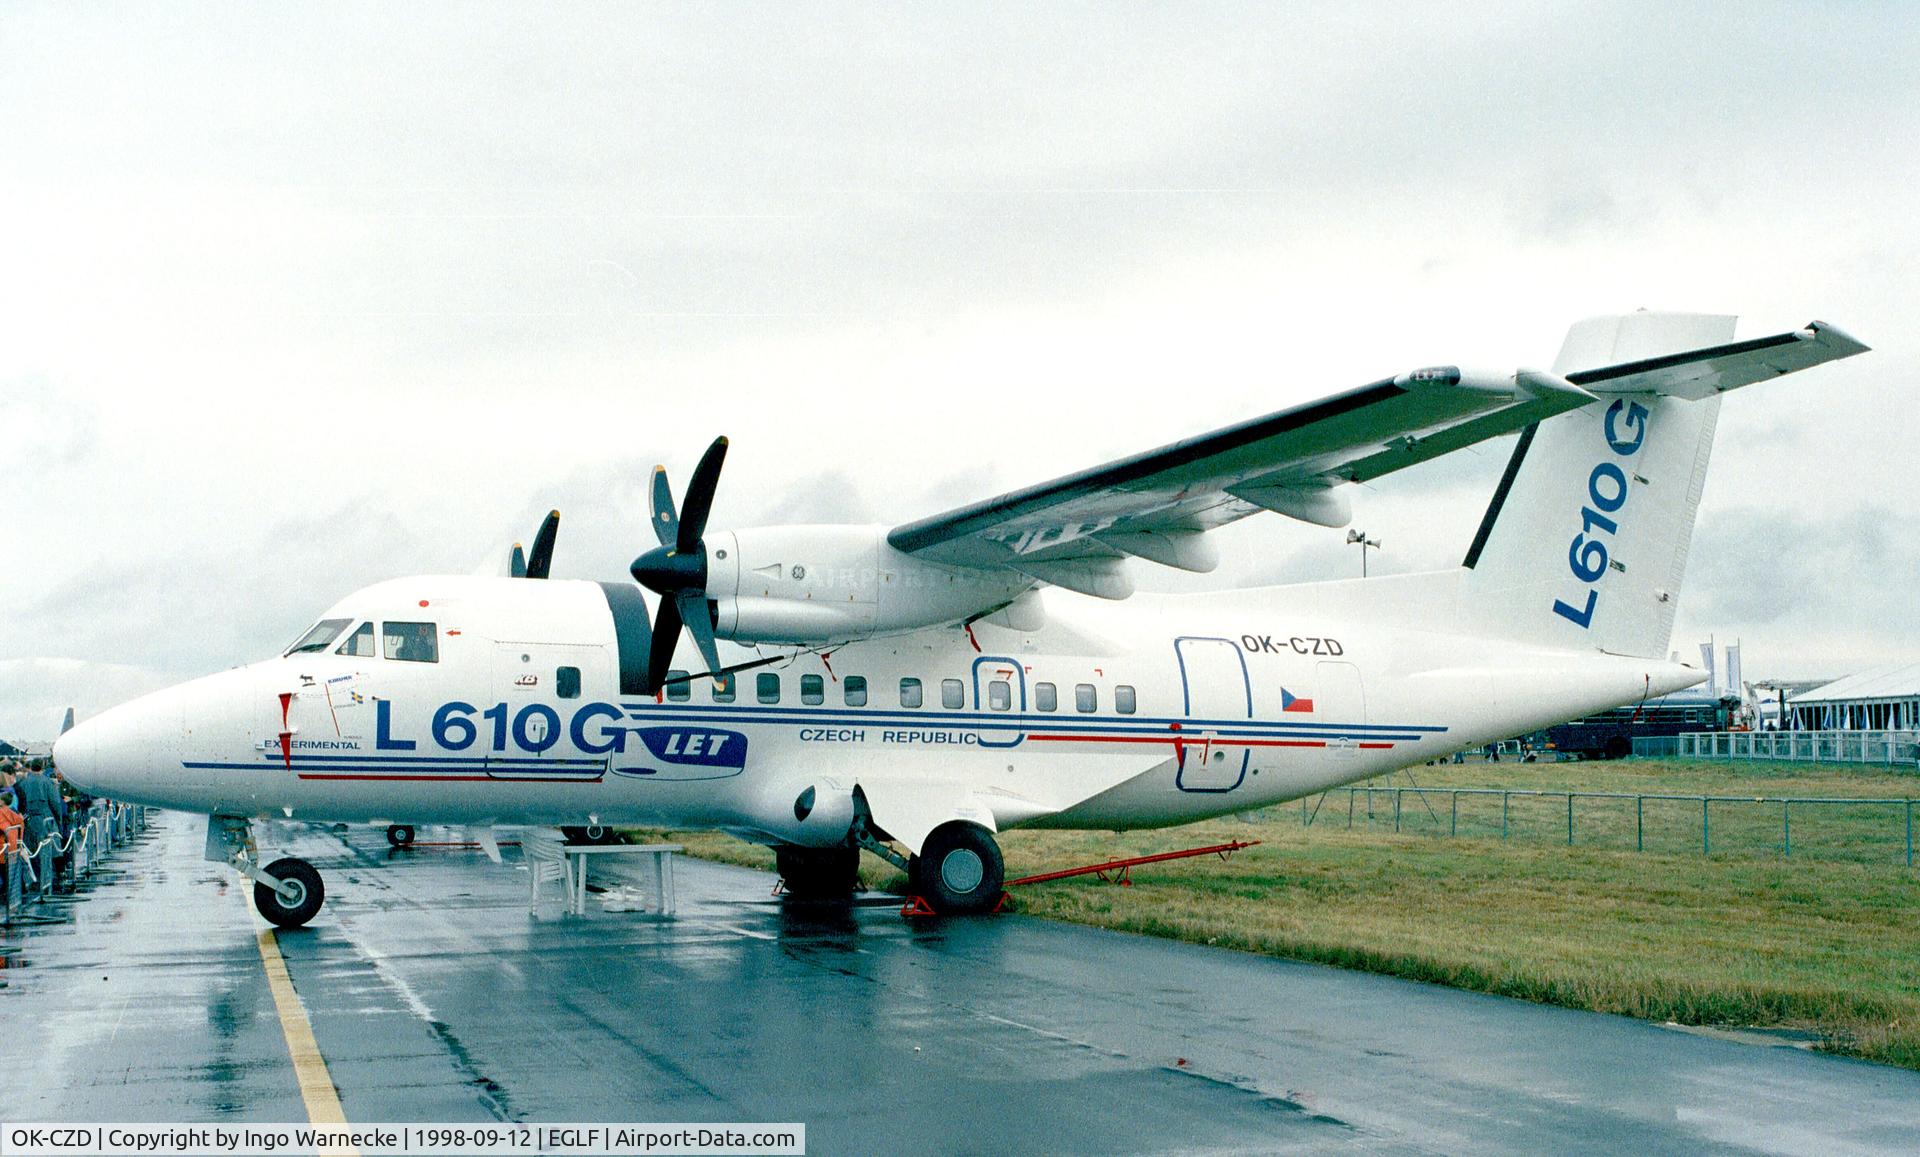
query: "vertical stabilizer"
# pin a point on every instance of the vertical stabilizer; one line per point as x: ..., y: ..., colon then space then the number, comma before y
x: 1585, y: 543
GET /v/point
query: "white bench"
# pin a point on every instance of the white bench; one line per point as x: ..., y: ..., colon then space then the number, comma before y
x: 543, y: 855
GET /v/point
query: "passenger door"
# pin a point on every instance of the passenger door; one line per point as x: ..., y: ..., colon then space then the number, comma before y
x: 1214, y: 681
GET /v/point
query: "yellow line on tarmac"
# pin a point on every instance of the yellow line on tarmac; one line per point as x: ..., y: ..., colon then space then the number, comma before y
x: 309, y: 1067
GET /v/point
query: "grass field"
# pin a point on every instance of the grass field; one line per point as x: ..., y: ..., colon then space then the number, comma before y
x: 1827, y: 941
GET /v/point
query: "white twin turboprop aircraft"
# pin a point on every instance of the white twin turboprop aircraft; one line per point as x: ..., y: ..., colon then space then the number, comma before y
x: 920, y: 687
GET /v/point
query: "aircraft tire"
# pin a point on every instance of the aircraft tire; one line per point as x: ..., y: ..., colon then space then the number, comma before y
x: 400, y: 835
x: 818, y: 873
x: 590, y: 834
x: 302, y: 909
x: 959, y: 870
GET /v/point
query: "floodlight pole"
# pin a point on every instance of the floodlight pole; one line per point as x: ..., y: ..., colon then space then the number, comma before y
x: 1360, y: 536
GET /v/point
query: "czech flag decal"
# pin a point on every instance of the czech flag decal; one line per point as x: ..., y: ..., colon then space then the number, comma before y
x: 1291, y: 702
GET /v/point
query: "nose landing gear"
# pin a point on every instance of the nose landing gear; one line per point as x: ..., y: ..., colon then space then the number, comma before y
x: 288, y: 892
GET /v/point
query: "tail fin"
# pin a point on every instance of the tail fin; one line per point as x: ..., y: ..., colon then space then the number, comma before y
x: 1585, y: 543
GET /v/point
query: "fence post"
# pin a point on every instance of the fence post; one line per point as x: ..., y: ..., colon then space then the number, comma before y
x: 1453, y: 824
x: 1639, y: 823
x: 1786, y: 827
x: 1706, y: 844
x: 1569, y: 819
x: 1349, y: 809
x: 1503, y: 815
x: 1909, y: 833
x: 1396, y: 809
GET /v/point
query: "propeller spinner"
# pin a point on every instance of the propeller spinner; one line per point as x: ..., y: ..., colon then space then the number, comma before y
x: 676, y: 570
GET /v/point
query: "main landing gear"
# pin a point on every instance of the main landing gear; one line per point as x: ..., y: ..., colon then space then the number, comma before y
x: 818, y: 873
x: 288, y: 892
x: 400, y: 835
x: 590, y: 834
x: 958, y: 872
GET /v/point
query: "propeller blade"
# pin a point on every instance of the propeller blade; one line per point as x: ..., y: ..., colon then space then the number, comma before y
x: 541, y: 560
x: 699, y: 498
x: 666, y: 636
x: 692, y: 606
x: 666, y: 524
x: 517, y: 564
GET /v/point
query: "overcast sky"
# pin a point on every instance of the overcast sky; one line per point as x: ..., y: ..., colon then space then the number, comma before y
x: 294, y: 299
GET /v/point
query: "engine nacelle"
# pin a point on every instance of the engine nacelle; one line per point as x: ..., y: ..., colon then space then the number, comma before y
x: 828, y: 584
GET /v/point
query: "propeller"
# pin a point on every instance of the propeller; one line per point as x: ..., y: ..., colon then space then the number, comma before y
x: 676, y: 570
x: 537, y: 564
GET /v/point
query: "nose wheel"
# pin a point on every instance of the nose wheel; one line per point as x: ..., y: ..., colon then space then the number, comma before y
x: 296, y: 895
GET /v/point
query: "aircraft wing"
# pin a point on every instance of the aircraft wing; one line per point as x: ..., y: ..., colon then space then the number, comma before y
x: 1073, y: 531
x: 1703, y: 373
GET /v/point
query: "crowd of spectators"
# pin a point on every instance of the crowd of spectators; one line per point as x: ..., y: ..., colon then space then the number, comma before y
x: 35, y: 806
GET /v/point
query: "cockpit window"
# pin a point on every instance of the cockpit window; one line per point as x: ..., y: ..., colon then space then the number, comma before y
x: 359, y: 644
x: 320, y: 637
x: 411, y: 642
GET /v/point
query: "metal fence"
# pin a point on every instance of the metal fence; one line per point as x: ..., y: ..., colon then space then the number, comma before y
x: 1861, y: 830
x: 1889, y: 747
x: 34, y: 873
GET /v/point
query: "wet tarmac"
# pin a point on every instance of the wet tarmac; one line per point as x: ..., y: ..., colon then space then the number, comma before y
x: 434, y: 995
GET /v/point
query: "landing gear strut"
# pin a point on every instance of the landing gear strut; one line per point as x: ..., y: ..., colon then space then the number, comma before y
x: 288, y: 892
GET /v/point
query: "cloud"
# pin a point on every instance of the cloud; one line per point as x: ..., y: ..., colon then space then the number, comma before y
x: 307, y: 302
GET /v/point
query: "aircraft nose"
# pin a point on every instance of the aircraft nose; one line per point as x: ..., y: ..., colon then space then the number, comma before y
x: 76, y: 758
x: 111, y: 754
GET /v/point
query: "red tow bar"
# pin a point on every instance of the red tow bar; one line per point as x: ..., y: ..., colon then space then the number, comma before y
x: 1113, y: 871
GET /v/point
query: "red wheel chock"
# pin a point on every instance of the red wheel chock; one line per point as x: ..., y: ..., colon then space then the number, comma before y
x: 917, y: 906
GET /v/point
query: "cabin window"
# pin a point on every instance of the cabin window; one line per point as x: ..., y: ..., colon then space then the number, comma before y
x: 1086, y: 699
x: 909, y: 692
x: 813, y: 690
x: 953, y: 694
x: 999, y: 695
x: 360, y: 644
x: 1046, y: 697
x: 723, y: 689
x: 679, y: 690
x: 855, y: 688
x: 320, y: 637
x: 1123, y: 700
x: 766, y: 687
x: 411, y: 642
x: 566, y: 682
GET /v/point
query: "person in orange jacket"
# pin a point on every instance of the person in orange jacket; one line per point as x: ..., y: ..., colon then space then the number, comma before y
x: 12, y: 823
